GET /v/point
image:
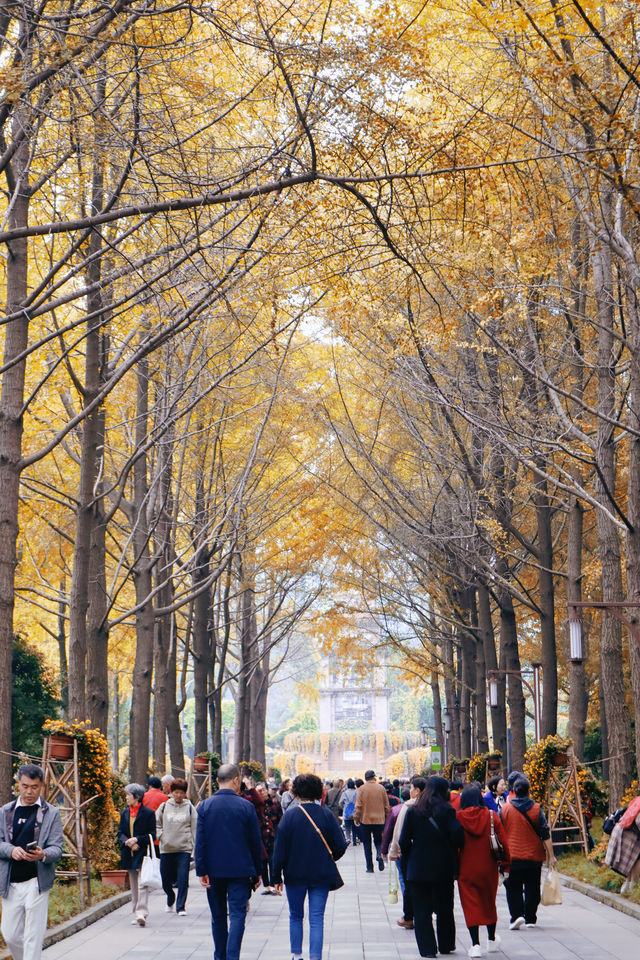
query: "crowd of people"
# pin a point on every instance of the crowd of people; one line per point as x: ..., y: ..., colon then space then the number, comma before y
x: 289, y: 838
x: 435, y: 832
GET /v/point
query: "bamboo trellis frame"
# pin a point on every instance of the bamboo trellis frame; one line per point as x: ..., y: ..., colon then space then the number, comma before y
x: 561, y: 779
x: 62, y: 783
x: 200, y: 784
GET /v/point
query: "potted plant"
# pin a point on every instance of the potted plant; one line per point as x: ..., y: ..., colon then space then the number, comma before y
x: 61, y: 735
x: 202, y: 760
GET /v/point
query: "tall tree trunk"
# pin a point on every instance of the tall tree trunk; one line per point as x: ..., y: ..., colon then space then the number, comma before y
x: 467, y: 653
x: 174, y: 733
x: 165, y: 716
x: 611, y: 660
x: 480, y: 696
x: 578, y: 701
x: 201, y: 626
x: 97, y: 631
x: 485, y: 626
x: 450, y: 692
x: 437, y: 707
x: 221, y: 657
x: 509, y: 645
x: 259, y: 696
x: 546, y: 601
x: 116, y: 723
x: 140, y: 715
x: 11, y: 423
x: 92, y: 427
x: 62, y: 648
x: 633, y: 501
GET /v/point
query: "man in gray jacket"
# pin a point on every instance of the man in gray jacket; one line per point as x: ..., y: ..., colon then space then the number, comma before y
x: 30, y: 844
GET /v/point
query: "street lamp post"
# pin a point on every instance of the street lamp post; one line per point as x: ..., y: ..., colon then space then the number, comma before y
x: 576, y: 652
x: 492, y: 677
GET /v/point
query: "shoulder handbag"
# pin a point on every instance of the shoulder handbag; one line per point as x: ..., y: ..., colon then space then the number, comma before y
x: 150, y: 869
x: 338, y: 881
x: 497, y: 850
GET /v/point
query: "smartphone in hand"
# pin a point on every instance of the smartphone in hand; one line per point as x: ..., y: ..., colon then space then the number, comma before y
x: 30, y: 847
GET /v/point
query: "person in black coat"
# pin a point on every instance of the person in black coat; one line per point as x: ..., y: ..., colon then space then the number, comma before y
x: 228, y: 856
x: 136, y: 823
x: 308, y: 842
x: 430, y: 841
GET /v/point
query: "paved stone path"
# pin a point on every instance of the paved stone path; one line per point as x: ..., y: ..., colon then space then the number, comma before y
x: 359, y: 925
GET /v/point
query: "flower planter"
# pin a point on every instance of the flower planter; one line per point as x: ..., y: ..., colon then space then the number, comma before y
x: 116, y: 878
x: 201, y: 765
x: 560, y: 758
x: 61, y: 746
x: 494, y: 763
x: 460, y: 767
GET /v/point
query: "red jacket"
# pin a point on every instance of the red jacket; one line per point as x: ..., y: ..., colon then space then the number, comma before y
x: 524, y: 843
x: 478, y: 875
x: 154, y: 798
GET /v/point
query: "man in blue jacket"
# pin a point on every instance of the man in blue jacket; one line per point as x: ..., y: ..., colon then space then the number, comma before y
x: 228, y: 859
x: 30, y: 844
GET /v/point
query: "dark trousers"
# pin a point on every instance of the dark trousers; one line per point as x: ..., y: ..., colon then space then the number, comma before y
x: 430, y: 898
x: 369, y: 832
x: 350, y: 830
x: 174, y: 868
x: 267, y: 877
x: 523, y: 889
x: 407, y: 902
x: 227, y: 937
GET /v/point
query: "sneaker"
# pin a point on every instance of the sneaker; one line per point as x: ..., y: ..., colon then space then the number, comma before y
x: 134, y: 922
x: 530, y: 925
x: 141, y: 920
x: 182, y: 913
x: 494, y: 945
x: 370, y: 870
x: 517, y: 923
x: 167, y: 908
x: 475, y: 950
x: 380, y: 863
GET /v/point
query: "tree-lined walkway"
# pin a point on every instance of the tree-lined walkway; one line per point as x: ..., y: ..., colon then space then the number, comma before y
x: 360, y: 925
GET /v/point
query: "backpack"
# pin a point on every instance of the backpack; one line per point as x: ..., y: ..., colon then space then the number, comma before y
x: 349, y: 810
x: 610, y: 821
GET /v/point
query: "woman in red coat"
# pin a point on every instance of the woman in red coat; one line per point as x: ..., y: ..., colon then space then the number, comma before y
x: 478, y: 876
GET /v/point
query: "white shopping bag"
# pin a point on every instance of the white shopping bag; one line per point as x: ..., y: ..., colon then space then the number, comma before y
x: 150, y: 869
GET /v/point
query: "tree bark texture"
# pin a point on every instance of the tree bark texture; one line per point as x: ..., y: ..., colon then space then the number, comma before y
x: 86, y: 547
x: 140, y: 716
x: 578, y: 700
x: 11, y: 425
x: 509, y: 648
x: 611, y: 659
x: 485, y: 626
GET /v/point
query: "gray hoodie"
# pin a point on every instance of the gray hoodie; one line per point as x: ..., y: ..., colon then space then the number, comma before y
x: 176, y: 826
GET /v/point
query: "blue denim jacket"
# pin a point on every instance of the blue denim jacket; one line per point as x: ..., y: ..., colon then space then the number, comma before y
x: 48, y: 833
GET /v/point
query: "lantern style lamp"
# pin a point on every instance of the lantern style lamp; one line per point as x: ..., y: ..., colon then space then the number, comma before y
x: 447, y: 721
x: 575, y: 638
x: 493, y: 692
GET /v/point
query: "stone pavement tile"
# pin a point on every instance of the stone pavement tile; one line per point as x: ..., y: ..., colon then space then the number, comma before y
x: 360, y: 924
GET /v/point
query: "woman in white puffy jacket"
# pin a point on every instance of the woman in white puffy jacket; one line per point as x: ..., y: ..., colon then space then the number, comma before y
x: 176, y: 830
